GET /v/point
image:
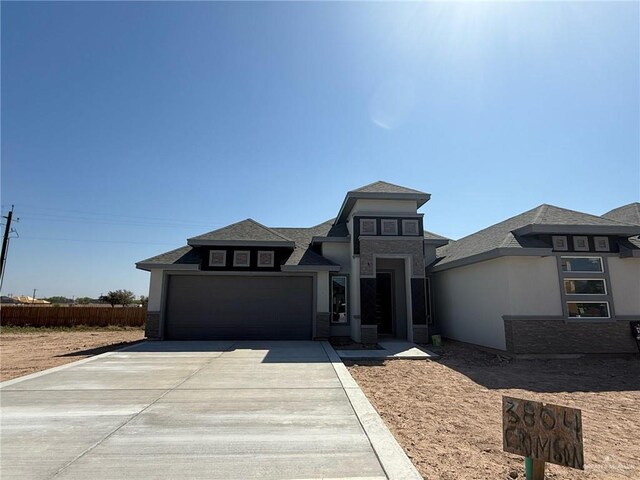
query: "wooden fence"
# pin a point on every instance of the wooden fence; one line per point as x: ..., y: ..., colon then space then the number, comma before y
x: 72, y: 316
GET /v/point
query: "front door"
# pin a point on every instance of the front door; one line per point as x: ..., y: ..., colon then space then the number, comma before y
x: 384, y: 303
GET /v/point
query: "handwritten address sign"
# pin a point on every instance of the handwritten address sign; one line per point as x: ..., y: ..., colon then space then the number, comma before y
x: 545, y: 432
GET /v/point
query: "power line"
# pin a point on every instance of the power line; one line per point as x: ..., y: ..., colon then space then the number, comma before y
x: 91, y: 221
x: 104, y: 214
x: 81, y: 240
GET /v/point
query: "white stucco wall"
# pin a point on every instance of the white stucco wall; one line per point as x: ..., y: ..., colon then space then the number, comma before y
x: 155, y: 290
x: 470, y: 301
x: 534, y: 286
x: 384, y: 206
x: 322, y: 292
x: 339, y: 253
x: 429, y: 254
x: 624, y: 274
x: 354, y: 309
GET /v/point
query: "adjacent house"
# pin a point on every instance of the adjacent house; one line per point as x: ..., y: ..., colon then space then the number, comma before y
x: 548, y: 280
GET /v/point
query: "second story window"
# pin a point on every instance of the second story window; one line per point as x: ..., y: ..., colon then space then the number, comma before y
x: 265, y: 258
x: 560, y: 243
x: 410, y: 227
x: 241, y: 258
x: 389, y: 226
x: 217, y: 258
x: 581, y: 244
x: 368, y: 226
x: 601, y: 243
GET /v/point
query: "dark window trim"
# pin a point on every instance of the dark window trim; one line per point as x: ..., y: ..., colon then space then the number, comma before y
x: 347, y: 298
x: 585, y: 298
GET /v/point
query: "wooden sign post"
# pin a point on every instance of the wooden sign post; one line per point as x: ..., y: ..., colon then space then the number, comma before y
x: 542, y: 433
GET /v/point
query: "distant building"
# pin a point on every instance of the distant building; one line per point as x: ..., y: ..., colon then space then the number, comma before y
x: 23, y: 300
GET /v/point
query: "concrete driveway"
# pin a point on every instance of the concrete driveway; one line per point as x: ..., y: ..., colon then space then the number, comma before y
x: 215, y: 410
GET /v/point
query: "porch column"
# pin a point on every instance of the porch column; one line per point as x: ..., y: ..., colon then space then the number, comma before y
x: 368, y: 325
x: 419, y: 310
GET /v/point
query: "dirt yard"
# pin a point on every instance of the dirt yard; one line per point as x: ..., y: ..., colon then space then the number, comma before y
x: 447, y: 416
x: 28, y: 350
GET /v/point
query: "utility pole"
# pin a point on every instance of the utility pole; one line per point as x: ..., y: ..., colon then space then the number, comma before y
x: 5, y: 241
x: 34, y: 297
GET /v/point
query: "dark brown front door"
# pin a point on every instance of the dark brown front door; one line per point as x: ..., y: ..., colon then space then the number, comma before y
x: 384, y: 303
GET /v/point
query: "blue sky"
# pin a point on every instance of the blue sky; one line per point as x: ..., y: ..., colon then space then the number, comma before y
x: 128, y: 127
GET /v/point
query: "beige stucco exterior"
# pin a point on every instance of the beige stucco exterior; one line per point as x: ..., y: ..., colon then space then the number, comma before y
x: 322, y: 292
x: 624, y: 274
x: 354, y: 282
x: 340, y: 253
x: 470, y: 301
x: 363, y: 206
x: 533, y: 286
x: 155, y: 290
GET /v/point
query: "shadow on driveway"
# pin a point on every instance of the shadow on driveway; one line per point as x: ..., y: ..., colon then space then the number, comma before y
x: 265, y: 351
x: 98, y: 350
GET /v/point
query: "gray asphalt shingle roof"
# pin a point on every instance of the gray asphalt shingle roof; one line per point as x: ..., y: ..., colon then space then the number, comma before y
x: 385, y: 187
x: 303, y: 236
x: 250, y: 230
x: 304, y: 256
x: 500, y: 235
x: 551, y: 215
x: 245, y: 230
x: 434, y: 236
x: 180, y: 256
x: 627, y: 213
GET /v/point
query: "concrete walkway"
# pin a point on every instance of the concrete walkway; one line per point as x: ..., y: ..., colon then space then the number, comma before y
x: 215, y: 410
x: 390, y: 349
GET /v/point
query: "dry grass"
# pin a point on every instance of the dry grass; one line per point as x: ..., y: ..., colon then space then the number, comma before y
x: 25, y: 350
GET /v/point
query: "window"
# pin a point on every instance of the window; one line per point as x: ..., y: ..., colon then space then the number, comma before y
x: 339, y: 299
x: 581, y: 244
x: 241, y: 258
x: 585, y: 286
x: 368, y: 226
x: 588, y: 309
x: 389, y: 226
x: 217, y: 258
x: 602, y: 244
x: 560, y: 243
x: 410, y: 227
x: 265, y: 258
x: 582, y: 264
x: 584, y: 290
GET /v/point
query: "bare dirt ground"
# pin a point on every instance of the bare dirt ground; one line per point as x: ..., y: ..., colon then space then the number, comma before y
x: 28, y: 350
x: 447, y: 414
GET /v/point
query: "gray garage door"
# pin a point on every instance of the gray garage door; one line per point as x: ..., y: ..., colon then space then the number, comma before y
x: 203, y: 307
